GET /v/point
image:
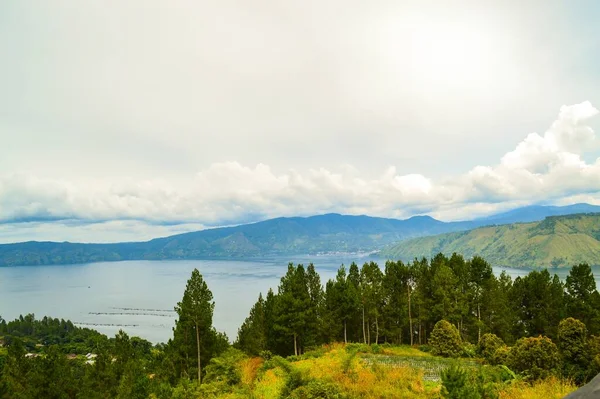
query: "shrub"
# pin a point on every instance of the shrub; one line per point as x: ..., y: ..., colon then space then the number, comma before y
x: 225, y: 368
x: 445, y: 340
x: 456, y: 384
x: 533, y: 357
x: 500, y: 355
x: 488, y: 345
x: 317, y: 389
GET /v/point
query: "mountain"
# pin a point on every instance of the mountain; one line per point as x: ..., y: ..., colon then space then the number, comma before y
x: 557, y: 241
x: 534, y: 213
x: 329, y: 233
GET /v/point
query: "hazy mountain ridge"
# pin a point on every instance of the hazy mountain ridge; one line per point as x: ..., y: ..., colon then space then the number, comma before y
x: 557, y: 241
x: 329, y: 233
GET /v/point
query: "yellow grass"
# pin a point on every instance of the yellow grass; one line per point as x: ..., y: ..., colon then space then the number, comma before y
x: 551, y: 388
x: 356, y: 379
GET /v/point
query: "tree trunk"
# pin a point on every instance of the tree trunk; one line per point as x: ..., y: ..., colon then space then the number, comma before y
x: 295, y: 346
x: 479, y: 324
x: 345, y: 339
x: 369, y: 331
x: 410, y: 326
x: 199, y: 363
x: 376, y: 331
x: 363, y: 325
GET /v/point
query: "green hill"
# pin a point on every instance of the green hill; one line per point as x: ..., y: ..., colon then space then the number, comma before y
x: 557, y: 241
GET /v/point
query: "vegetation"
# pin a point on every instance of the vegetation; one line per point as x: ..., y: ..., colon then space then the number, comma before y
x: 429, y: 328
x: 557, y: 241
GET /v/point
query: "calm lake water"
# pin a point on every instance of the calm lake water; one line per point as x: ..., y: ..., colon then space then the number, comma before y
x: 139, y: 296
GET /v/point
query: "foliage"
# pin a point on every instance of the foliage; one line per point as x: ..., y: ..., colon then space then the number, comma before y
x: 535, y: 357
x: 445, y: 340
x: 488, y: 345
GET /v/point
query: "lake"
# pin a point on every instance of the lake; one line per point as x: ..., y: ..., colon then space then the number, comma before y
x: 139, y: 296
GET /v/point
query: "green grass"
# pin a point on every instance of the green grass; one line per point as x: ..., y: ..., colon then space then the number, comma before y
x: 3, y: 351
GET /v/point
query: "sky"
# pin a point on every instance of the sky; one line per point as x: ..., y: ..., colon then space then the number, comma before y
x: 128, y: 120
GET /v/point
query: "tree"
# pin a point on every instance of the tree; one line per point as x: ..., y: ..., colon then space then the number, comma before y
x: 315, y: 311
x: 538, y: 301
x: 582, y: 299
x: 480, y: 276
x: 488, y: 344
x: 371, y: 279
x: 535, y: 357
x: 196, y: 311
x: 572, y: 343
x: 445, y: 340
x: 252, y: 336
x: 354, y: 291
x: 293, y: 306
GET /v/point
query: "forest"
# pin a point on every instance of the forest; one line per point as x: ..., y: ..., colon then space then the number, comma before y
x: 440, y: 327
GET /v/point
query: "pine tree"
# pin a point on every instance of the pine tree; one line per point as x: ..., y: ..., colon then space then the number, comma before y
x: 252, y: 335
x: 196, y: 311
x: 582, y: 298
x: 292, y: 307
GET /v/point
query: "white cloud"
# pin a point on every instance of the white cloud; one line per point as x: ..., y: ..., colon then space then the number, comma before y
x: 547, y: 168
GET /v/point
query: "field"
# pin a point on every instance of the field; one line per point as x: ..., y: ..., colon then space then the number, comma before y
x: 359, y: 371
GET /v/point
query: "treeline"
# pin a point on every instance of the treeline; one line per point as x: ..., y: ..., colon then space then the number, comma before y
x: 449, y: 305
x: 49, y: 331
x: 402, y: 303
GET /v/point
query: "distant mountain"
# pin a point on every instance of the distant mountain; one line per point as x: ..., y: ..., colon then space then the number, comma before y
x: 557, y: 241
x: 331, y: 233
x: 534, y: 213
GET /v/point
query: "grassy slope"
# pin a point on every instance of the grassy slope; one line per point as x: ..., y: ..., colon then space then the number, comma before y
x: 362, y: 379
x: 555, y: 241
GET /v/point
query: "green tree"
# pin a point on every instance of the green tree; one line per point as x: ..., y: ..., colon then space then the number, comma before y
x: 480, y: 278
x: 196, y: 311
x: 572, y: 343
x: 488, y: 344
x: 293, y: 306
x: 534, y: 357
x: 252, y: 335
x: 371, y: 279
x: 445, y: 340
x: 582, y: 298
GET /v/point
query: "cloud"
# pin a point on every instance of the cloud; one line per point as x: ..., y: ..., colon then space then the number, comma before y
x: 542, y: 168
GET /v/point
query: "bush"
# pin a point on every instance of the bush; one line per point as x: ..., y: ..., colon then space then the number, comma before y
x: 225, y: 368
x: 488, y: 345
x: 317, y: 389
x: 456, y: 384
x: 500, y: 355
x: 445, y: 340
x: 535, y: 358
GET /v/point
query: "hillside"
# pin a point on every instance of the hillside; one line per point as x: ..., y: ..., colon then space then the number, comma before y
x: 331, y: 233
x: 557, y: 241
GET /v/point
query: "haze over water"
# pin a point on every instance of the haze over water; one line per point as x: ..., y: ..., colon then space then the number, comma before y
x: 139, y: 296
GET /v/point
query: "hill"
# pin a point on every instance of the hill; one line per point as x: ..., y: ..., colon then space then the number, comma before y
x: 331, y: 233
x: 557, y: 241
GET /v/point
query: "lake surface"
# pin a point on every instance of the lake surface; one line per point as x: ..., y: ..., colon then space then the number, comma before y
x: 139, y: 296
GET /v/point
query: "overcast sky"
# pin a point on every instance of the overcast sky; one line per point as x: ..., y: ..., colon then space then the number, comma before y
x: 127, y: 120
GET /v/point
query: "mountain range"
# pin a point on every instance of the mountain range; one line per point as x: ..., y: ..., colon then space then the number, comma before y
x: 330, y: 233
